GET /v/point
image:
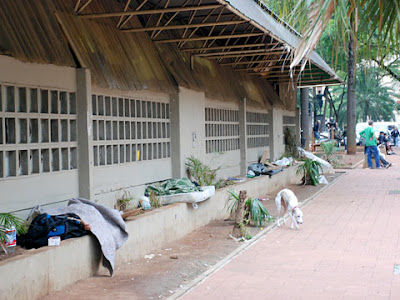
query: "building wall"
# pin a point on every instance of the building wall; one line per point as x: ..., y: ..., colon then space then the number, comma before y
x: 38, y: 135
x: 131, y: 142
x: 62, y: 137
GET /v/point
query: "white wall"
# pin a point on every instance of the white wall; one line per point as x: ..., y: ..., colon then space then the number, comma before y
x: 25, y: 191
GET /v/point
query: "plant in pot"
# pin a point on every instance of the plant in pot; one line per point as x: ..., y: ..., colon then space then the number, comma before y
x: 10, y: 225
x: 310, y: 170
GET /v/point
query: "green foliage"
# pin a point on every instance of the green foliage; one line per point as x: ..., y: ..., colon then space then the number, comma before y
x: 329, y: 149
x: 254, y: 210
x: 8, y: 220
x: 202, y: 173
x: 310, y: 170
x: 123, y: 201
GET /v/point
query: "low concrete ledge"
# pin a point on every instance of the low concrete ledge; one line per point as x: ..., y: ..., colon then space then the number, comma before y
x: 40, y: 271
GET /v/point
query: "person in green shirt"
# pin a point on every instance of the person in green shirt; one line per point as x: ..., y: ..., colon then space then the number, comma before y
x: 371, y: 145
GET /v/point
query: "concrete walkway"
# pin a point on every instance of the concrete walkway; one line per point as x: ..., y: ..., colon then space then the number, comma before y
x: 347, y: 248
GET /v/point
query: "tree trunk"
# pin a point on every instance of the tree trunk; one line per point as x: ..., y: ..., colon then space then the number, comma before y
x: 237, y: 232
x: 305, y: 118
x: 351, y: 95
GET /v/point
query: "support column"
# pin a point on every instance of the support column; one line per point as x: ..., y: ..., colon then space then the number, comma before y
x: 85, y: 136
x: 305, y: 117
x: 271, y: 134
x: 298, y: 127
x: 175, y: 137
x: 243, y: 137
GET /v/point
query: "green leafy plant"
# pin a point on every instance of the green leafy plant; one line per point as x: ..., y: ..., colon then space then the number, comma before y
x: 123, y: 202
x: 201, y: 173
x: 7, y: 220
x: 329, y: 150
x: 310, y: 170
x: 254, y: 210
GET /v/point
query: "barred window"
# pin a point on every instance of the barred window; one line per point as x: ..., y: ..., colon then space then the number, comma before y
x: 222, y: 130
x: 38, y: 130
x: 127, y: 130
x: 257, y: 129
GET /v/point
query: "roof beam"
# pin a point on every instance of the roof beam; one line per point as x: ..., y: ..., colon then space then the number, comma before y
x: 174, y: 27
x: 227, y: 47
x: 207, y: 38
x: 273, y: 67
x: 122, y: 24
x: 234, y: 52
x: 296, y: 75
x: 321, y: 81
x: 150, y: 11
x: 255, y: 61
x: 241, y: 55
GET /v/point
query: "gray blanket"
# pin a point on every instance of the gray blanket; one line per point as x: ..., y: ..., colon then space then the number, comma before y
x: 106, y: 224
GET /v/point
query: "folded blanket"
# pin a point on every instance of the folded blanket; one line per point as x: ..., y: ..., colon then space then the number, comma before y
x: 172, y: 187
x: 106, y: 224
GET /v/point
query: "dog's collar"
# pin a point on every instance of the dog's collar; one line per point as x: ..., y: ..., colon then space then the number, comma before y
x: 294, y: 208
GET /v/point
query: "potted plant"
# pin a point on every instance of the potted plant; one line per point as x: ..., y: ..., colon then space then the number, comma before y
x: 8, y: 222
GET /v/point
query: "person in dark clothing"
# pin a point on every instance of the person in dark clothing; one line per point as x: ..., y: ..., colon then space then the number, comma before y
x: 395, y: 135
x: 316, y: 130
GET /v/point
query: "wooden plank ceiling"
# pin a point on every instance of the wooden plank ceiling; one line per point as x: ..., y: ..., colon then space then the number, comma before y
x: 210, y: 30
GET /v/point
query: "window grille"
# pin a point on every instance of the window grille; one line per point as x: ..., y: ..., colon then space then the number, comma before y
x: 38, y: 131
x: 257, y: 129
x: 126, y: 130
x: 222, y: 130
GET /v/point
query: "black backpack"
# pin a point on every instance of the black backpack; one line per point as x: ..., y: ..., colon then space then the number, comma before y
x: 44, y: 226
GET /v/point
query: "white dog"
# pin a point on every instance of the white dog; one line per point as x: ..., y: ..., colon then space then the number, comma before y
x: 288, y: 200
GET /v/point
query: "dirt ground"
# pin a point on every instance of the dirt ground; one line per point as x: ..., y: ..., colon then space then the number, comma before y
x: 174, y: 265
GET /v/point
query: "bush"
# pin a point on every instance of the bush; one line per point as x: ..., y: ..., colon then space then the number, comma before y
x: 202, y: 173
x: 310, y: 170
x: 254, y: 210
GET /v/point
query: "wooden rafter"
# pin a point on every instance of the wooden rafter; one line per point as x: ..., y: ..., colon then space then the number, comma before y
x: 159, y: 18
x: 203, y: 21
x: 125, y: 9
x: 302, y: 75
x: 129, y: 17
x: 169, y: 20
x: 272, y: 67
x: 254, y: 62
x: 321, y: 80
x: 76, y: 7
x: 206, y: 38
x: 174, y: 27
x: 227, y: 47
x: 149, y: 11
x: 80, y: 9
x: 213, y: 28
x: 192, y: 15
x: 262, y: 51
x: 239, y: 55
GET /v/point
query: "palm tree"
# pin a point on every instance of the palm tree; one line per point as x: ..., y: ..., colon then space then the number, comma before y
x: 379, y: 19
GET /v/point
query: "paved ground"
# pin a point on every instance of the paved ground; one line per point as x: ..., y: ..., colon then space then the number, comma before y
x: 348, y: 248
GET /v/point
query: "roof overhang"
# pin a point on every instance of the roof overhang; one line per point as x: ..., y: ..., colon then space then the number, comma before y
x: 244, y: 35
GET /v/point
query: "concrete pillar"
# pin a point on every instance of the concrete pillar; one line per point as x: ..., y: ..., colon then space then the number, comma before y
x: 85, y: 136
x: 271, y: 134
x: 305, y: 117
x: 243, y: 137
x: 175, y: 137
x: 298, y: 127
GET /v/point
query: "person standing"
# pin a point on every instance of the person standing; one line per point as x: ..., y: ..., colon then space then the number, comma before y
x: 395, y: 135
x: 316, y: 130
x: 371, y: 145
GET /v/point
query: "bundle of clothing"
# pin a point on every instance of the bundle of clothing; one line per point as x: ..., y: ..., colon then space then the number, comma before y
x: 79, y: 218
